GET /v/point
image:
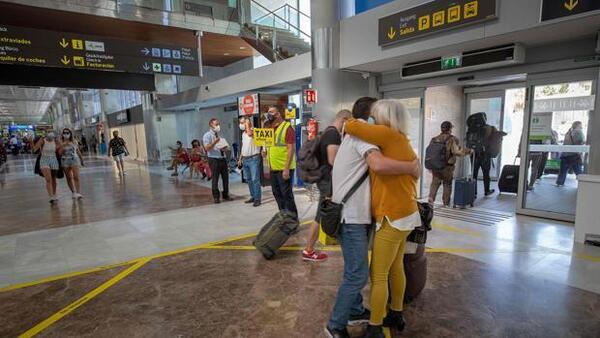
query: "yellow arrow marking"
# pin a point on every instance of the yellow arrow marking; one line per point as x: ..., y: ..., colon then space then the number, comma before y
x: 571, y: 4
x: 64, y: 43
x: 65, y: 60
x: 392, y: 33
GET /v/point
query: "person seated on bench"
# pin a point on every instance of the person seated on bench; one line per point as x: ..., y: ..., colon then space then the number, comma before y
x: 180, y: 156
x: 198, y: 161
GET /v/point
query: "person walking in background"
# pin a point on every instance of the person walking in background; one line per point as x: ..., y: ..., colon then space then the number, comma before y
x: 215, y: 148
x: 198, y: 161
x: 71, y: 162
x: 328, y: 146
x: 250, y: 160
x: 485, y: 141
x: 49, y: 148
x: 452, y: 147
x: 94, y: 144
x: 282, y: 160
x: 354, y: 158
x: 118, y: 148
x: 394, y: 205
x: 571, y: 160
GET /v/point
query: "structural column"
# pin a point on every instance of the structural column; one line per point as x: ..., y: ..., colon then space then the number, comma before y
x: 325, y: 58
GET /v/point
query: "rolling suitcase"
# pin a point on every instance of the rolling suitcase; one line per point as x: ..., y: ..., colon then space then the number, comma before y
x: 415, y: 269
x: 275, y: 233
x: 465, y: 188
x: 464, y: 192
x: 509, y: 179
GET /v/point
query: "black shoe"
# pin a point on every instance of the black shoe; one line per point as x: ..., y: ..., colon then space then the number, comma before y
x: 336, y: 333
x: 359, y: 319
x: 250, y: 200
x: 217, y: 201
x: 170, y: 168
x: 174, y: 174
x: 256, y: 204
x: 374, y: 331
x: 394, y: 319
x: 487, y: 193
x: 227, y: 199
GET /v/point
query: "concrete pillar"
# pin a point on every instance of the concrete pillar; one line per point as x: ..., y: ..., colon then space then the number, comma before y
x: 325, y: 58
x: 594, y: 137
x: 151, y: 118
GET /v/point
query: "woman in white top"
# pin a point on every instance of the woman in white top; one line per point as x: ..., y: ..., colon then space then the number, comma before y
x: 71, y: 161
x: 49, y: 147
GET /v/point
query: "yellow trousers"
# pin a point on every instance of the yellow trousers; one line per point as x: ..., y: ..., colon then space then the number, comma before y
x: 387, y: 265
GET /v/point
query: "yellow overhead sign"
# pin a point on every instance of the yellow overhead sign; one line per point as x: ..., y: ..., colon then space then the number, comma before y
x: 264, y: 137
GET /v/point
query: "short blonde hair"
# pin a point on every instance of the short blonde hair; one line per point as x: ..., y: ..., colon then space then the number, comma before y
x: 391, y: 113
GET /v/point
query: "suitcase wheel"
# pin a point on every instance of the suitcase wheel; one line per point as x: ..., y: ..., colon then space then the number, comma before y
x: 471, y: 205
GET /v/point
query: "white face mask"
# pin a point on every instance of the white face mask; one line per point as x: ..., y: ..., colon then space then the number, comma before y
x: 217, y: 128
x: 371, y: 120
x: 242, y: 127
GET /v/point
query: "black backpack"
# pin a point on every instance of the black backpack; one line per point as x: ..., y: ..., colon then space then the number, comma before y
x: 309, y: 166
x: 436, y: 154
x: 494, y: 141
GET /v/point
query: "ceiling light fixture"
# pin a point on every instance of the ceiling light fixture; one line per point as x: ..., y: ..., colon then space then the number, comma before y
x: 226, y: 54
x: 242, y: 48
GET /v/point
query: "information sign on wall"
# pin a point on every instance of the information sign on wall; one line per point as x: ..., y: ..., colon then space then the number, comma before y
x: 541, y: 126
x: 248, y: 105
x: 37, y: 47
x: 264, y: 137
x: 310, y: 96
x: 565, y: 104
x: 434, y: 17
x: 554, y: 9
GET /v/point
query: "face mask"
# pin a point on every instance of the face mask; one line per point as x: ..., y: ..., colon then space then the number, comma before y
x: 242, y: 127
x: 371, y: 120
x: 217, y: 129
x: 50, y: 137
x: 270, y: 117
x: 67, y: 136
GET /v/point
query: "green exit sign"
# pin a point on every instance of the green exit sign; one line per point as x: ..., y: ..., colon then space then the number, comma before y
x: 451, y: 62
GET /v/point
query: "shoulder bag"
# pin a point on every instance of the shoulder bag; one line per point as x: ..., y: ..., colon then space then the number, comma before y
x: 331, y: 212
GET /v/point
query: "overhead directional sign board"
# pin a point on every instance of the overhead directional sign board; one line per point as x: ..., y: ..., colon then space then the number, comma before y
x: 554, y: 9
x: 434, y: 17
x: 35, y: 47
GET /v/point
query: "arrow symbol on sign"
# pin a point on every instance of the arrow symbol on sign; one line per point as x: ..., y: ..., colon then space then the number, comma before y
x: 146, y: 66
x: 65, y: 60
x: 571, y: 4
x: 64, y: 43
x: 392, y: 33
x: 146, y: 51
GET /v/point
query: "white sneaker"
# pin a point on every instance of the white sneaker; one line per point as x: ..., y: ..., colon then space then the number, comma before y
x: 74, y: 196
x: 53, y: 199
x: 78, y: 195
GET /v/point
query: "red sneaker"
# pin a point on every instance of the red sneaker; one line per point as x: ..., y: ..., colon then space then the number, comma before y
x: 313, y: 256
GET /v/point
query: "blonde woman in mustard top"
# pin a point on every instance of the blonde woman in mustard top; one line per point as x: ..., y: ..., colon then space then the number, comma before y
x: 395, y: 210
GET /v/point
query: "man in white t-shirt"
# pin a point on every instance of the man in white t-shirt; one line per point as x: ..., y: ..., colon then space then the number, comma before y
x: 354, y: 157
x: 250, y: 159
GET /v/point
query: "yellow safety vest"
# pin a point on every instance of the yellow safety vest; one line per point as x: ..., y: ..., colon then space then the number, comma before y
x: 278, y: 153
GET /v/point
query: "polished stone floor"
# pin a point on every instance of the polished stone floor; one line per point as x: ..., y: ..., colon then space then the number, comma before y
x: 188, y: 269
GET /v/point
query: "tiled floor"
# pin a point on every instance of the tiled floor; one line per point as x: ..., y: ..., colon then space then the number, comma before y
x: 520, y: 276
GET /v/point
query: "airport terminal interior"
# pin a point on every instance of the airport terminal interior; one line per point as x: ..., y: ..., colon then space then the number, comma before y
x: 170, y: 168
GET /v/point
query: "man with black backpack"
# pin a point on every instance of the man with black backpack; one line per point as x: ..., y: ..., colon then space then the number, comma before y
x: 486, y: 142
x: 440, y: 158
x: 328, y: 144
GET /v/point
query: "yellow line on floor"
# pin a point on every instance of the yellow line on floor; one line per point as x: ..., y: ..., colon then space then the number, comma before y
x: 62, y: 276
x: 86, y: 298
x: 587, y: 257
x: 449, y: 228
x: 132, y: 261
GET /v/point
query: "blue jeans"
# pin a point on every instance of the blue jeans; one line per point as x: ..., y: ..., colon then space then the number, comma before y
x: 251, y: 167
x: 566, y: 163
x: 354, y: 239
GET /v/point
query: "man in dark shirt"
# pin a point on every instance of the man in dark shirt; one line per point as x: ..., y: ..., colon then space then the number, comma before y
x: 328, y: 146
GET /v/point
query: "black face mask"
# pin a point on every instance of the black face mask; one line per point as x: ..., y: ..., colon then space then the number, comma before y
x: 270, y: 117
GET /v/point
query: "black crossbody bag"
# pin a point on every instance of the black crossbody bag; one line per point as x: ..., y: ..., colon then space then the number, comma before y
x: 331, y: 212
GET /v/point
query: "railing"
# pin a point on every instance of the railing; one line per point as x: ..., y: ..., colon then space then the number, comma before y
x: 286, y: 18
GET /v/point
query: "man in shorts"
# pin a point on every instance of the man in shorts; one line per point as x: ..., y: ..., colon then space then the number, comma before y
x: 328, y: 146
x: 118, y: 148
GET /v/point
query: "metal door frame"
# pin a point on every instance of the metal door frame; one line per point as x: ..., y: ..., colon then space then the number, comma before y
x: 486, y: 94
x: 577, y: 75
x: 410, y: 94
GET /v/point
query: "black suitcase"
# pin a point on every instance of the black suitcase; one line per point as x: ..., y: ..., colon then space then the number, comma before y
x: 464, y: 192
x: 509, y: 179
x: 275, y: 233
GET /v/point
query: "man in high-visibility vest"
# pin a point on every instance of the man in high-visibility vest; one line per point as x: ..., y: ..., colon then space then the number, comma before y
x: 281, y: 160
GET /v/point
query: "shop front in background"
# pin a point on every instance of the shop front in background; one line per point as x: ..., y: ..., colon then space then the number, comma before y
x: 130, y: 125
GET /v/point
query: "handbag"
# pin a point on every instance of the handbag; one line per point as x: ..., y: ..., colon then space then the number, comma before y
x: 419, y: 234
x: 330, y: 212
x: 36, y: 168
